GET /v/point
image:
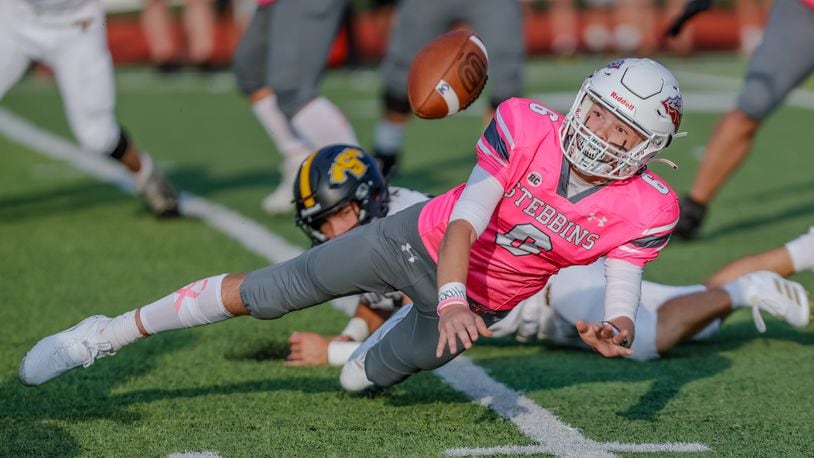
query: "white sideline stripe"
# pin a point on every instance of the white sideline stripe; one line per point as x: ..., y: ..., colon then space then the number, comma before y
x: 205, y: 454
x: 461, y: 373
x: 252, y: 235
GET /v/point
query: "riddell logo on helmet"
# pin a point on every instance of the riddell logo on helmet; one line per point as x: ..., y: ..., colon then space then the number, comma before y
x: 623, y: 101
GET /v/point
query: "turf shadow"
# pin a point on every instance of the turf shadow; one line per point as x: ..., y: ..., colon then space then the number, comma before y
x: 556, y: 367
x: 27, y: 414
x: 804, y: 209
x: 61, y: 200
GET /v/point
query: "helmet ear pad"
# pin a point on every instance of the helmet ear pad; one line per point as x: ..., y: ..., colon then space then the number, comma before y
x: 333, y: 177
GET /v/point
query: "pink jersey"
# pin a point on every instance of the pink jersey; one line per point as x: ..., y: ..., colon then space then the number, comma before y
x: 535, y: 229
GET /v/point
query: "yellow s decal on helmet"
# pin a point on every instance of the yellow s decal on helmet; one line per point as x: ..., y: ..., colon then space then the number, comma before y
x: 347, y: 162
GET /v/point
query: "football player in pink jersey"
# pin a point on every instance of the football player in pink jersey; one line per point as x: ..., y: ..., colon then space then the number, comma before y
x: 548, y: 191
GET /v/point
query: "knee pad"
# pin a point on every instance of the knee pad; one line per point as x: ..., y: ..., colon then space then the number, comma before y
x: 290, y: 101
x: 759, y: 97
x: 249, y: 76
x: 396, y: 102
x: 99, y: 132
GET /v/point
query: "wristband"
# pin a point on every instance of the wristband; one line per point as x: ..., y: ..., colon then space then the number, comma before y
x: 339, y: 352
x: 616, y: 331
x: 451, y: 293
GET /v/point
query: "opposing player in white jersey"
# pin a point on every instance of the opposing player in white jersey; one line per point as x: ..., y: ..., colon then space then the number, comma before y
x: 69, y: 36
x: 547, y: 192
x: 668, y: 315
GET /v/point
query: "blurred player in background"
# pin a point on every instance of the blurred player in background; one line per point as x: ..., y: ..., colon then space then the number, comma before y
x: 780, y: 63
x: 69, y: 36
x: 279, y: 64
x: 198, y: 20
x: 497, y: 22
x: 547, y: 192
x: 667, y: 315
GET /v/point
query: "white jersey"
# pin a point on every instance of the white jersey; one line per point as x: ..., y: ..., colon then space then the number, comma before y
x: 56, y: 11
x: 69, y: 36
x: 578, y: 293
x: 801, y: 251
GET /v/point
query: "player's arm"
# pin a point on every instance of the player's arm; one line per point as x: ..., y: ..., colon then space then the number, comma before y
x: 469, y: 218
x: 614, y: 336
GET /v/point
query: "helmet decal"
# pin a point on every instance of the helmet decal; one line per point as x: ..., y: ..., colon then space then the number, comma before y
x: 674, y: 108
x: 348, y: 162
x: 616, y: 64
x: 305, y: 181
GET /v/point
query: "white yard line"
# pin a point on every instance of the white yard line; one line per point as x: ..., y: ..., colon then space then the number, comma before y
x: 537, y: 423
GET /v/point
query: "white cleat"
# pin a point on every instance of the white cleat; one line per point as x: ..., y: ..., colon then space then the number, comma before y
x: 781, y: 298
x: 281, y: 200
x: 80, y: 345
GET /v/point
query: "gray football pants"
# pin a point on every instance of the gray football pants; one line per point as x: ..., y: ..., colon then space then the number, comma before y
x: 782, y: 61
x: 285, y: 47
x: 385, y: 255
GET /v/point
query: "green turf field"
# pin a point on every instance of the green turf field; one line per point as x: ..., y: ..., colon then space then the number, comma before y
x: 73, y: 247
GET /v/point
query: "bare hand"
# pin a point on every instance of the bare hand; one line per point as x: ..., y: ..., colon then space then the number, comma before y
x: 457, y: 321
x: 600, y: 337
x: 307, y: 349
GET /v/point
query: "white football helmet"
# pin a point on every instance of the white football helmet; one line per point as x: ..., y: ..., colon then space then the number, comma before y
x: 641, y: 93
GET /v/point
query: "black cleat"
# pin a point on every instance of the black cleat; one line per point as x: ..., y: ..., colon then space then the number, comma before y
x: 692, y: 216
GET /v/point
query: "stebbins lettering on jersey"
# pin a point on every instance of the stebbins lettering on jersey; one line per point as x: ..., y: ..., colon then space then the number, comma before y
x: 551, y: 218
x: 449, y: 95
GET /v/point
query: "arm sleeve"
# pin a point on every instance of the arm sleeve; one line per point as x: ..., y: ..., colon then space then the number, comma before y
x: 623, y: 289
x: 801, y: 251
x: 478, y: 200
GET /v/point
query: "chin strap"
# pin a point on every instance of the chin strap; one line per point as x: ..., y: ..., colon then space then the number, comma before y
x: 665, y: 161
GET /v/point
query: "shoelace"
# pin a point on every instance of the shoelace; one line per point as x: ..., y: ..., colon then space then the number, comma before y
x: 96, y: 350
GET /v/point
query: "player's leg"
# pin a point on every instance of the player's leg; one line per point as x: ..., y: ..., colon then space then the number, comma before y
x: 500, y: 25
x: 417, y: 22
x: 156, y: 24
x: 372, y: 261
x: 795, y: 256
x: 300, y: 38
x: 13, y: 59
x: 199, y: 24
x: 250, y: 73
x: 687, y: 315
x: 770, y: 77
x: 84, y: 73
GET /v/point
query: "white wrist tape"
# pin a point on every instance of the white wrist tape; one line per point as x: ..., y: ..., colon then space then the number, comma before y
x: 339, y: 352
x: 451, y: 293
x: 356, y: 329
x: 801, y: 251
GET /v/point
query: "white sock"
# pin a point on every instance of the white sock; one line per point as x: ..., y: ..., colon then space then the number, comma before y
x: 196, y: 304
x: 388, y: 137
x: 276, y: 126
x: 122, y: 330
x: 801, y: 251
x: 320, y: 123
x: 736, y: 293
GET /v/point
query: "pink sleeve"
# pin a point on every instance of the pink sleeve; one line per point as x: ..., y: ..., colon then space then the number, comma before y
x: 497, y: 143
x: 649, y: 243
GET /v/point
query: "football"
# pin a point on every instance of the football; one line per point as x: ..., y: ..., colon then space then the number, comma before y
x: 447, y: 75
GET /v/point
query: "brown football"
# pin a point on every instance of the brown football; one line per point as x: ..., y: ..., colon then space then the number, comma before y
x: 447, y: 75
